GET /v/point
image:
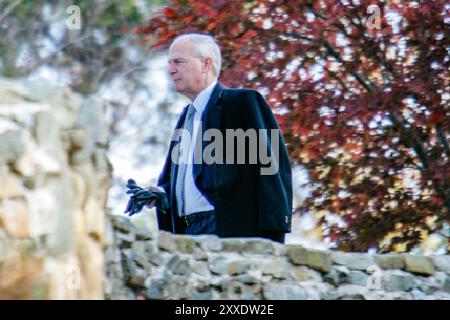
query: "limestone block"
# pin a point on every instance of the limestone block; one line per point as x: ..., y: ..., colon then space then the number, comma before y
x: 14, y: 217
x: 155, y: 289
x: 200, y: 268
x: 337, y: 275
x: 47, y: 130
x: 219, y: 265
x: 258, y: 246
x: 316, y: 259
x: 348, y: 292
x: 302, y: 273
x: 397, y: 280
x: 21, y: 273
x: 208, y: 242
x: 240, y: 266
x: 25, y: 165
x: 442, y: 263
x: 94, y: 218
x: 11, y: 187
x: 12, y: 145
x: 419, y: 264
x: 390, y: 261
x: 276, y: 267
x: 233, y: 244
x: 355, y: 261
x: 185, y: 244
x: 166, y: 241
x: 179, y: 265
x: 358, y: 278
x: 284, y: 291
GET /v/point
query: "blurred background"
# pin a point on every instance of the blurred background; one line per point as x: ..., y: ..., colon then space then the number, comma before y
x: 361, y: 95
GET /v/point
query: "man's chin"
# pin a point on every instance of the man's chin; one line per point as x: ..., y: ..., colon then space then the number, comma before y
x: 177, y: 86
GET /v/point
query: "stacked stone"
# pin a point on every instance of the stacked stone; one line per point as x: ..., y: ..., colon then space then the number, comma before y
x: 54, y: 181
x: 152, y: 265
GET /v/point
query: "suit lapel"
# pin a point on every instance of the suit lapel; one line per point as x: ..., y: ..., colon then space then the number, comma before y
x: 210, y: 119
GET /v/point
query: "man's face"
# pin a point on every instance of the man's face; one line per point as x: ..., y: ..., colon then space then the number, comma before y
x: 185, y: 70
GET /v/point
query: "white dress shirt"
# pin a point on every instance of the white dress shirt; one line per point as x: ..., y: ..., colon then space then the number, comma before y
x: 194, y: 200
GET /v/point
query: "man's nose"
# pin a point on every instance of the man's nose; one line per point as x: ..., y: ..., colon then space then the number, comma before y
x: 172, y: 69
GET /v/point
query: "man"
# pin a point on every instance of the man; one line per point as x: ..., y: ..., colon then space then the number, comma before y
x: 232, y: 198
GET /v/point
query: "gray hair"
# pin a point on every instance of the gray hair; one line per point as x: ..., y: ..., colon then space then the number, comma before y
x: 203, y: 46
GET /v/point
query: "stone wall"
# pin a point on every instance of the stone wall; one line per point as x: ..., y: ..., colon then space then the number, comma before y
x: 54, y: 178
x: 152, y: 265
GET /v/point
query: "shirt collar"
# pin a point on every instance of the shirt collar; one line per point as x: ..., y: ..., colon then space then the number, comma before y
x: 202, y: 98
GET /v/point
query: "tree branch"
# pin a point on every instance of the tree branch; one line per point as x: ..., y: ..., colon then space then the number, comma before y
x: 441, y: 136
x: 9, y: 9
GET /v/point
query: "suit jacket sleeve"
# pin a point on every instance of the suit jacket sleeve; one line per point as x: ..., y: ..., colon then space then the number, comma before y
x: 275, y: 190
x: 164, y: 219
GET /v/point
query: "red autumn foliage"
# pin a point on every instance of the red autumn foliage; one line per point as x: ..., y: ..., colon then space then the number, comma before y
x: 360, y: 104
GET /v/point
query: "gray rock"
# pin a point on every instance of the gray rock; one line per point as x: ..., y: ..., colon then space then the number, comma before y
x: 302, y: 273
x: 439, y: 296
x: 446, y: 286
x: 279, y: 249
x: 47, y: 130
x: 219, y: 265
x: 258, y: 246
x: 417, y: 294
x: 179, y: 288
x: 237, y: 291
x: 397, y: 280
x: 355, y: 261
x: 277, y: 267
x: 185, y: 244
x: 347, y: 292
x: 143, y: 234
x: 358, y: 278
x: 12, y: 145
x: 155, y: 290
x: 442, y: 263
x: 222, y: 284
x: 179, y: 266
x: 240, y: 266
x: 284, y: 291
x: 247, y: 278
x: 125, y: 241
x: 419, y: 264
x: 316, y: 259
x: 209, y: 243
x: 140, y: 256
x: 207, y: 295
x: 121, y: 224
x: 166, y: 241
x: 137, y: 279
x: 390, y: 261
x: 398, y: 295
x: 337, y: 275
x: 429, y: 285
x: 200, y: 268
x: 200, y: 254
x: 233, y: 244
x: 129, y: 267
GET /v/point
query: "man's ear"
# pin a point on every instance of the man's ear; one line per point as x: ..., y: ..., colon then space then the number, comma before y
x: 207, y: 65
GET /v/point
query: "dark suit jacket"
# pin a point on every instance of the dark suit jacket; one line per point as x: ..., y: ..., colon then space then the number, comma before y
x: 246, y: 203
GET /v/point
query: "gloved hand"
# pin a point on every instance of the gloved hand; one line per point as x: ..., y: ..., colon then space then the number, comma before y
x: 141, y: 197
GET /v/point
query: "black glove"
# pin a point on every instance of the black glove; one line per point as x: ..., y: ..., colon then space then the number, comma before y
x: 140, y: 197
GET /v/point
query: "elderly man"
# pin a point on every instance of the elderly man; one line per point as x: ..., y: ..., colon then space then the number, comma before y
x: 233, y: 197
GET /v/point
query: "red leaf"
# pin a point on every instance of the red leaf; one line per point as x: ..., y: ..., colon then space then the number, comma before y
x: 169, y: 12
